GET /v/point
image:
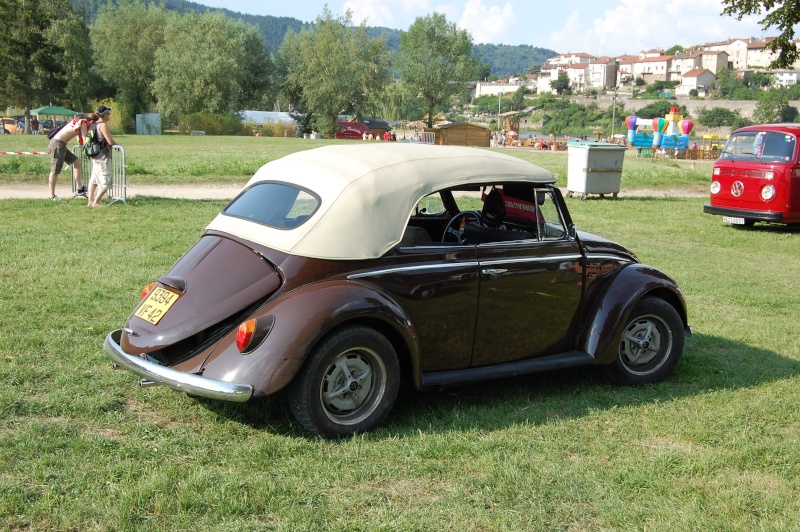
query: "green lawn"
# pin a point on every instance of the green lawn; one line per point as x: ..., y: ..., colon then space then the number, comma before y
x: 176, y: 159
x: 82, y: 447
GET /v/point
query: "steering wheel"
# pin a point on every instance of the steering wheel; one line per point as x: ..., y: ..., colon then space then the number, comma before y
x: 453, y: 231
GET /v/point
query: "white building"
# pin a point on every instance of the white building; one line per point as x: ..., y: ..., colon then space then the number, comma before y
x: 701, y: 79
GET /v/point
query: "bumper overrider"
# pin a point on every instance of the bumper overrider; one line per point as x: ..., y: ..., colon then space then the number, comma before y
x: 154, y: 373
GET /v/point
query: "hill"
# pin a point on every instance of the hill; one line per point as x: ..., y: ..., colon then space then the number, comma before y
x: 503, y: 60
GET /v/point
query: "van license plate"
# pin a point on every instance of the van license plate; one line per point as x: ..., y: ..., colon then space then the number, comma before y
x: 733, y: 220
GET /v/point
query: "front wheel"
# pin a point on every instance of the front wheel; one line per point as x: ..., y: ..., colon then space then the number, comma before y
x: 651, y: 344
x: 347, y: 385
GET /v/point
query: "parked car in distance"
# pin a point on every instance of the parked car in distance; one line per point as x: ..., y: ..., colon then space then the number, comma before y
x: 336, y: 271
x: 10, y: 125
x: 757, y: 176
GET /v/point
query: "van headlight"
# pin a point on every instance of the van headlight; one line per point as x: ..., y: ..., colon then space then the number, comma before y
x: 715, y: 186
x: 767, y: 192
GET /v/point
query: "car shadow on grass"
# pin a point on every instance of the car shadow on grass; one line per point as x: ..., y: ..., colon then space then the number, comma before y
x: 709, y: 363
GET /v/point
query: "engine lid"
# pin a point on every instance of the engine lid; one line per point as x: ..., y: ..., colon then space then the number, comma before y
x: 213, y: 281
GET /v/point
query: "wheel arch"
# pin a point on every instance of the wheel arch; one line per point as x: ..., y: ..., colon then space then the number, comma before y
x: 306, y: 317
x: 613, y: 308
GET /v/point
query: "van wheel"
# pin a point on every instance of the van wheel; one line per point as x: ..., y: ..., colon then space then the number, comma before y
x: 347, y: 385
x: 651, y: 344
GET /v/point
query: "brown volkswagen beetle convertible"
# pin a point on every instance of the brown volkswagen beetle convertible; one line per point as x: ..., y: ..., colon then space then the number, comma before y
x: 337, y: 270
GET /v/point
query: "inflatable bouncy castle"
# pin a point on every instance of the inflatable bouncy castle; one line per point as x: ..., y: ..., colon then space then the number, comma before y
x: 670, y: 132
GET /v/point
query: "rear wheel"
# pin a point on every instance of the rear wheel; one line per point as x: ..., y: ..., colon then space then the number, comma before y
x: 347, y: 385
x: 651, y: 344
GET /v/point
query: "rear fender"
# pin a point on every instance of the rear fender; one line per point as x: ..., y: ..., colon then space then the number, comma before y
x: 614, y: 305
x: 301, y: 319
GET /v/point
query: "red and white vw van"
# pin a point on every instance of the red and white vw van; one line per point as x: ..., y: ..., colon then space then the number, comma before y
x: 757, y: 176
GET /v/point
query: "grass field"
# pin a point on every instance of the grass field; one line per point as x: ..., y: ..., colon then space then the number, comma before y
x: 174, y: 159
x: 82, y: 447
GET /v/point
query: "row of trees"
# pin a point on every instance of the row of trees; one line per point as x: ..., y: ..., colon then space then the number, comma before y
x: 150, y: 59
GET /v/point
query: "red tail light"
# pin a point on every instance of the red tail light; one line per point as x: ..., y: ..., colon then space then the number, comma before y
x: 245, y: 334
x: 147, y: 289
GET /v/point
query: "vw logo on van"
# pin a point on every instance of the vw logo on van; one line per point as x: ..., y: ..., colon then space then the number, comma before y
x: 737, y: 188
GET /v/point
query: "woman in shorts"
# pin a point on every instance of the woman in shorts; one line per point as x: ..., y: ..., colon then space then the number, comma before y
x: 100, y: 181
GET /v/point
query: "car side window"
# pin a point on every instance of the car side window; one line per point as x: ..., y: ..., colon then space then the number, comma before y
x: 431, y: 205
x: 551, y: 225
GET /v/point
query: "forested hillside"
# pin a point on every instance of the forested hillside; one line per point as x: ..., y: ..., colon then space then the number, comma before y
x: 503, y: 60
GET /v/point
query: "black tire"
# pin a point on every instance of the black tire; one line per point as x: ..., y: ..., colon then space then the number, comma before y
x: 651, y: 344
x: 359, y: 364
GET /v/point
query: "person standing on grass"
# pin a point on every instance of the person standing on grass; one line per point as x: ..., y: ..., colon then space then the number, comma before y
x: 62, y: 154
x: 100, y: 180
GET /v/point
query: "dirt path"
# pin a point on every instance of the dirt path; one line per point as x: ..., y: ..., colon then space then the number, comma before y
x: 162, y: 191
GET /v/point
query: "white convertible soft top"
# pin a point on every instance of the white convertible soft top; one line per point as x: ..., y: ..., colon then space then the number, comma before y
x: 368, y: 192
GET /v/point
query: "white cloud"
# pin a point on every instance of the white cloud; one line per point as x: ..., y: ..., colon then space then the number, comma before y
x: 487, y: 24
x: 375, y: 12
x: 633, y: 26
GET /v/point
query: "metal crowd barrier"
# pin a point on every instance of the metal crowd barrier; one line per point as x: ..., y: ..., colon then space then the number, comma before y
x: 119, y: 179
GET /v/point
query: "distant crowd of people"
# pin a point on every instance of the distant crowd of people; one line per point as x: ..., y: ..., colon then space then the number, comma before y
x: 388, y: 136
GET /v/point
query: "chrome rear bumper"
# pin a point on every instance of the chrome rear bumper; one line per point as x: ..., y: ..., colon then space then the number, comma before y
x: 154, y: 373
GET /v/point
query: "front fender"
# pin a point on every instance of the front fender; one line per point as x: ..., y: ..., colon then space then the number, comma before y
x: 301, y: 319
x: 616, y: 301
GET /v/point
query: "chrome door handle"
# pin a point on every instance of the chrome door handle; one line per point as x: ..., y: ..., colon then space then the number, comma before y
x: 494, y: 271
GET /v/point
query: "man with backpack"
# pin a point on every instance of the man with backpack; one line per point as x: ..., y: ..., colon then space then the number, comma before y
x: 62, y: 154
x: 100, y: 180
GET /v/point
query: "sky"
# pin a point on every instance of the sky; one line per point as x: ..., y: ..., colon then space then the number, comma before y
x: 596, y: 27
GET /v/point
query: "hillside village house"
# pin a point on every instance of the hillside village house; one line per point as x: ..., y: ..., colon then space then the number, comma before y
x: 701, y: 64
x: 786, y: 78
x: 735, y: 48
x: 699, y: 79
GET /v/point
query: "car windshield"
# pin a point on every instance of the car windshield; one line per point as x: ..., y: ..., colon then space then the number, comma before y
x: 277, y: 205
x: 762, y: 146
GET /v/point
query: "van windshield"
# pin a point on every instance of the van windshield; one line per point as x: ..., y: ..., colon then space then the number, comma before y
x: 761, y: 146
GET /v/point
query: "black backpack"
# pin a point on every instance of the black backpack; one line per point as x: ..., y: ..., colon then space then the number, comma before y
x: 93, y: 145
x: 54, y: 131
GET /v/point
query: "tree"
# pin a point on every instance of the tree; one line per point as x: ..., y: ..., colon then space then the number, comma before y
x: 562, y: 85
x: 435, y: 60
x: 32, y: 64
x: 718, y: 116
x: 192, y: 75
x: 331, y: 68
x: 518, y: 98
x: 125, y: 39
x: 782, y: 14
x: 81, y: 81
x: 773, y: 107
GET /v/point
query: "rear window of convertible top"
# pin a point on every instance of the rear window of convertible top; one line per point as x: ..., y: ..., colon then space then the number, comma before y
x: 277, y: 205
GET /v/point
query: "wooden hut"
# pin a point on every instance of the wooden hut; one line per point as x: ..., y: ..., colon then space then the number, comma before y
x: 461, y: 134
x: 378, y: 126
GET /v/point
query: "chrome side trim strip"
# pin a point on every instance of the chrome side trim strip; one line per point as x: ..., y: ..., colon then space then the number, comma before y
x: 177, y: 380
x: 522, y: 260
x: 416, y: 268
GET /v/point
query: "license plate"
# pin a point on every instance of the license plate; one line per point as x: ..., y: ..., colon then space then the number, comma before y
x: 156, y: 305
x: 733, y: 220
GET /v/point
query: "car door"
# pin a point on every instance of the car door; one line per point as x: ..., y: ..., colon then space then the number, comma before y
x: 529, y: 292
